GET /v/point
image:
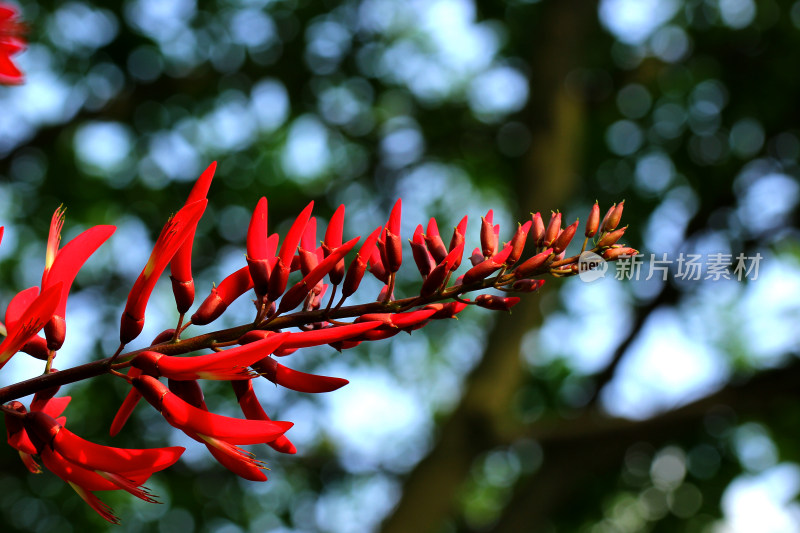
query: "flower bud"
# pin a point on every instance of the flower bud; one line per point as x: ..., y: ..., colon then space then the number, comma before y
x: 496, y: 303
x: 593, y: 222
x: 553, y: 229
x: 611, y: 238
x: 564, y: 238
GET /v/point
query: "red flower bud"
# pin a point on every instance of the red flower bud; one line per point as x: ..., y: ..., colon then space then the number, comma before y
x: 257, y: 248
x: 376, y: 266
x: 333, y: 239
x: 434, y: 242
x: 538, y: 230
x: 604, y: 226
x: 181, y: 264
x: 563, y: 240
x: 518, y: 242
x: 527, y: 285
x: 359, y: 265
x: 533, y: 265
x: 394, y: 251
x: 419, y: 250
x: 172, y: 237
x: 488, y: 237
x: 612, y: 254
x: 222, y: 296
x: 611, y: 238
x: 553, y: 229
x: 497, y: 303
x: 593, y: 222
x: 487, y: 267
x: 614, y: 217
x: 448, y: 310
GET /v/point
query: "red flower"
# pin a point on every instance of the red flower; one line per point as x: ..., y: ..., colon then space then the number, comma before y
x: 185, y: 409
x: 195, y: 421
x: 61, y: 266
x: 172, y: 236
x: 10, y: 43
x: 84, y: 465
x: 228, y: 364
x: 31, y: 313
x: 181, y: 265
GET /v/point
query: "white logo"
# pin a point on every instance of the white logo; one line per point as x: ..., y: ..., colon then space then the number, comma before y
x: 591, y: 267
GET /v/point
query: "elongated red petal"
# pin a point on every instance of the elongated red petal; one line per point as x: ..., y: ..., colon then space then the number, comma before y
x: 128, y: 405
x: 18, y: 305
x: 318, y: 337
x: 333, y: 239
x: 411, y: 318
x: 564, y: 238
x: 224, y: 365
x: 71, y: 258
x: 96, y: 456
x: 30, y: 322
x: 292, y: 238
x: 181, y: 264
x: 192, y: 419
x: 295, y: 380
x: 172, y: 237
x: 251, y: 408
x: 239, y: 461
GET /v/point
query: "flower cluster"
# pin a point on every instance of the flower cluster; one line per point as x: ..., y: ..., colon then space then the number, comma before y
x: 294, y: 280
x: 10, y: 43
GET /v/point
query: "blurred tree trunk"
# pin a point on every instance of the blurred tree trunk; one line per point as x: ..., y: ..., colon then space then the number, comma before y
x: 545, y: 179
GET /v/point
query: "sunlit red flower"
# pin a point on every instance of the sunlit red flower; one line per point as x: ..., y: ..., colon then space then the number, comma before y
x: 62, y: 265
x: 27, y: 313
x: 181, y: 264
x: 172, y: 236
x: 84, y: 465
x: 11, y: 43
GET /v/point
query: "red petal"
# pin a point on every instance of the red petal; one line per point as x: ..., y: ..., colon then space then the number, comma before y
x: 173, y: 235
x: 30, y: 322
x: 71, y: 258
x: 318, y: 337
x: 128, y: 405
x: 295, y: 380
x: 251, y: 408
x: 257, y: 232
x: 292, y: 238
x: 224, y: 365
